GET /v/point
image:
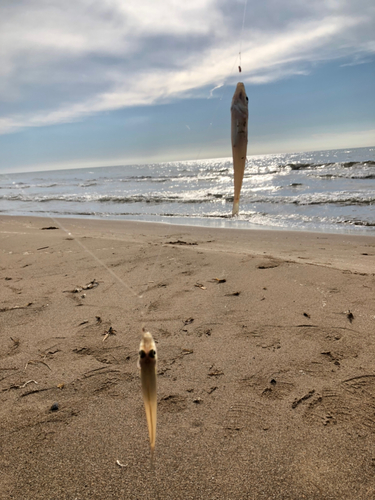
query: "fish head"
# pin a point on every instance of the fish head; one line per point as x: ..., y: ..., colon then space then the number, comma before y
x: 147, y: 351
x: 240, y: 99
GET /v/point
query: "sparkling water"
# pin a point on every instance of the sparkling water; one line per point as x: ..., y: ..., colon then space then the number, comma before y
x: 330, y: 191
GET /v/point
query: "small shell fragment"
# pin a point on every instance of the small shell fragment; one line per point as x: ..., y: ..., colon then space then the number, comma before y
x: 120, y: 464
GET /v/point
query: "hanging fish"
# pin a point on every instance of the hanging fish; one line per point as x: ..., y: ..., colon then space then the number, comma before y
x: 240, y: 115
x: 147, y: 363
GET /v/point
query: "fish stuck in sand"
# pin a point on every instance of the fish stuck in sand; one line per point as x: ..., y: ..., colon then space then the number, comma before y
x: 147, y: 363
x: 240, y: 115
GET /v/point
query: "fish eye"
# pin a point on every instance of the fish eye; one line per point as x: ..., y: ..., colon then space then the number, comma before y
x: 152, y: 353
x: 142, y: 354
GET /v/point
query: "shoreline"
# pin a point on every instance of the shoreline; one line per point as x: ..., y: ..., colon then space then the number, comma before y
x: 278, y: 243
x: 266, y: 372
x: 214, y: 223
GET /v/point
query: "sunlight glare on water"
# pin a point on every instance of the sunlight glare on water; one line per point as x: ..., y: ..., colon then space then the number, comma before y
x: 332, y: 191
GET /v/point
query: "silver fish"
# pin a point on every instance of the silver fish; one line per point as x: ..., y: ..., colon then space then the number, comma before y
x: 240, y: 115
x: 147, y: 363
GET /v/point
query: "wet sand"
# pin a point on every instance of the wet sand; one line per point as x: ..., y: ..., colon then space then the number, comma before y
x: 266, y: 375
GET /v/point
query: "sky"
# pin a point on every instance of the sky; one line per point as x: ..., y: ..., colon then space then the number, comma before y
x: 112, y: 82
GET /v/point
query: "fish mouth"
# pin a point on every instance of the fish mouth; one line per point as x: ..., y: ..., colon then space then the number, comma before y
x: 240, y: 100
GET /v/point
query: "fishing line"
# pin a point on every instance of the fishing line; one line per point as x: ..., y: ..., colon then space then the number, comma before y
x: 117, y: 278
x: 93, y: 256
x: 237, y: 61
x: 98, y: 260
x: 241, y: 36
x: 70, y: 235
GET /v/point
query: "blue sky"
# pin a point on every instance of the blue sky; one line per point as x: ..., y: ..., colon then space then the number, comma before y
x: 111, y: 82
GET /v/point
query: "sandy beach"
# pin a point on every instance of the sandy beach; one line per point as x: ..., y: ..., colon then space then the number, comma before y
x: 266, y: 372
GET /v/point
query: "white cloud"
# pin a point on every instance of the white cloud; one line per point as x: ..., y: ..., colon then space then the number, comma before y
x: 215, y: 88
x: 63, y: 61
x: 169, y: 16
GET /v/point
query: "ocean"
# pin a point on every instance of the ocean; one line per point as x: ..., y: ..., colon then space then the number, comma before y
x: 325, y: 191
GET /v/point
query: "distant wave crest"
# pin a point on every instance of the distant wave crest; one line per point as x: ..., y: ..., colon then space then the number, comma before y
x: 200, y: 197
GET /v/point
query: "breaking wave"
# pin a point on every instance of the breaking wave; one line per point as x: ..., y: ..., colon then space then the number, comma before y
x: 322, y: 190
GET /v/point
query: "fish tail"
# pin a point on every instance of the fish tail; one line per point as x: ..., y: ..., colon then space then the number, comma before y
x: 236, y: 207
